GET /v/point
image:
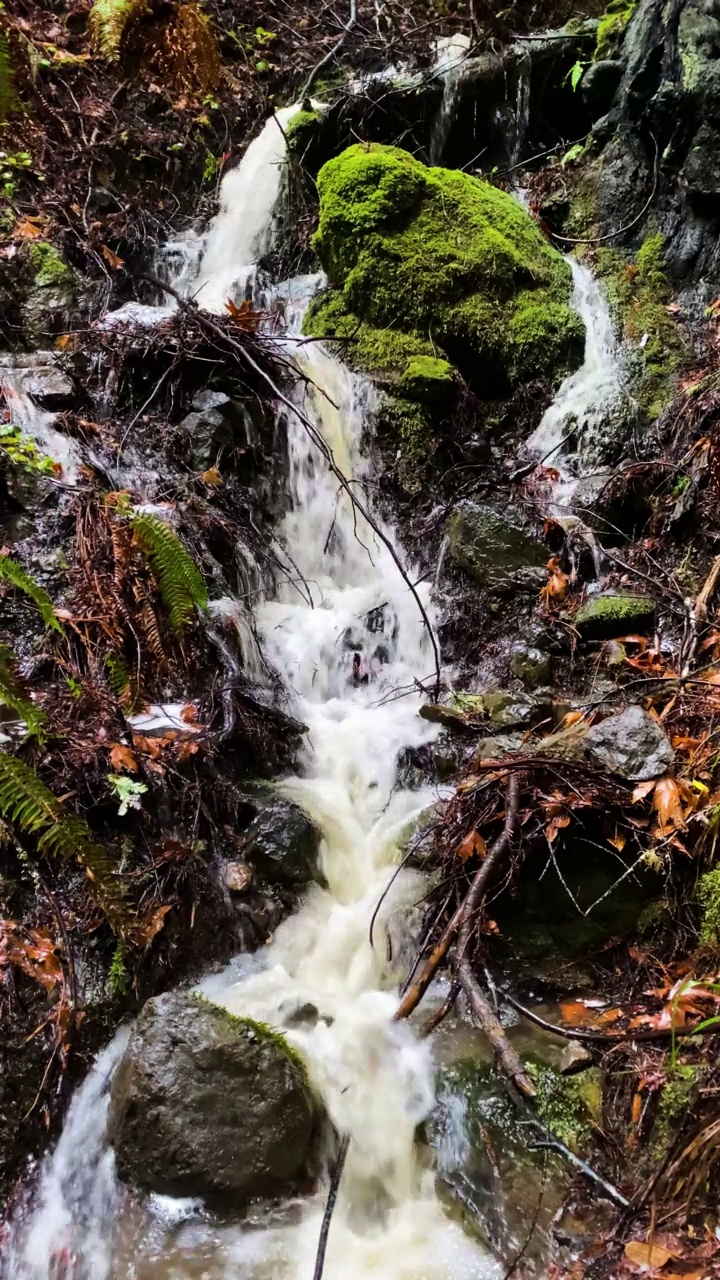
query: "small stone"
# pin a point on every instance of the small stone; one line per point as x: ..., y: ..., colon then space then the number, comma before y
x: 238, y: 876
x: 631, y: 744
x: 449, y: 717
x: 514, y: 710
x: 204, y: 400
x: 506, y: 744
x: 530, y: 665
x: 574, y: 1058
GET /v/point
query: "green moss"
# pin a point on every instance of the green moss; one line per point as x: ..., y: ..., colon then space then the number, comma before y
x: 427, y: 378
x: 677, y: 1095
x: 608, y: 615
x: 569, y: 1106
x: 410, y: 428
x: 259, y: 1030
x: 301, y: 131
x: 612, y: 27
x: 118, y: 979
x: 708, y: 896
x: 384, y: 352
x: 48, y: 265
x: 639, y: 294
x: 434, y: 253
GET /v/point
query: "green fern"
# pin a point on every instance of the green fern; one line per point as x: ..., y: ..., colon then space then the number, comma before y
x: 108, y: 22
x: 12, y: 572
x: 181, y: 584
x: 30, y: 805
x: 7, y: 88
x: 12, y: 695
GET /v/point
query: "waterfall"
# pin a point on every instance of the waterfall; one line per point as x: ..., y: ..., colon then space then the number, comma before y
x: 349, y: 638
x: 18, y: 378
x: 579, y: 414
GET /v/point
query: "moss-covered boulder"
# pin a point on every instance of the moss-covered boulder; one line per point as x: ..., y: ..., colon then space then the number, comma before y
x: 207, y: 1104
x: 609, y: 615
x: 50, y: 295
x: 497, y: 550
x: 428, y: 265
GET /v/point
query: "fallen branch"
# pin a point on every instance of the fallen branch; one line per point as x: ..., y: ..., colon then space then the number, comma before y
x: 607, y: 1037
x: 329, y: 1207
x: 202, y: 318
x: 351, y: 22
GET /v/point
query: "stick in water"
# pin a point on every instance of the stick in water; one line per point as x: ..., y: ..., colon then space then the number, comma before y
x: 329, y: 1206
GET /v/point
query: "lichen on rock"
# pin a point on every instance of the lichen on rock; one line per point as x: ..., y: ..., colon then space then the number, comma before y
x: 612, y: 26
x: 434, y: 263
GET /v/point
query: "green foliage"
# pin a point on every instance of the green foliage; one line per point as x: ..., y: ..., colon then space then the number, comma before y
x: 12, y: 572
x: 574, y: 153
x: 12, y: 695
x: 108, y: 22
x: 575, y: 74
x: 708, y: 896
x: 211, y: 167
x: 7, y: 88
x: 22, y: 451
x: 568, y: 1105
x: 127, y: 791
x: 412, y: 251
x: 118, y: 979
x: 11, y: 163
x: 677, y: 1096
x: 261, y: 1031
x: 28, y: 804
x: 181, y: 584
x: 120, y: 677
x: 611, y: 28
x: 47, y: 263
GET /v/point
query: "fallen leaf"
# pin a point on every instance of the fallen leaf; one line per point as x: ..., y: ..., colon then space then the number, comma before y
x: 63, y: 342
x: 618, y: 841
x: 645, y: 1253
x: 147, y: 931
x: 642, y: 790
x: 28, y: 230
x: 122, y: 758
x: 112, y: 258
x: 473, y: 843
x: 666, y: 803
x: 555, y: 825
x: 211, y: 476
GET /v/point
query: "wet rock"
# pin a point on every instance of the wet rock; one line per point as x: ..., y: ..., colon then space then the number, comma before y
x: 210, y: 431
x: 238, y: 876
x: 205, y: 1104
x: 599, y: 83
x: 701, y: 171
x: 608, y: 615
x: 511, y: 710
x: 530, y: 665
x: 50, y: 297
x: 631, y: 744
x: 448, y: 717
x: 497, y: 550
x: 284, y: 845
x: 505, y: 744
x: 574, y: 1058
x: 44, y: 382
x: 417, y: 838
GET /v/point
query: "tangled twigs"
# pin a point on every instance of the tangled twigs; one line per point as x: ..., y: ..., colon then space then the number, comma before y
x: 205, y: 320
x: 320, y: 66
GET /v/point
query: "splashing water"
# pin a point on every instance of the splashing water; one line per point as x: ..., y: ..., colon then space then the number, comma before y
x: 18, y: 375
x: 587, y: 398
x: 344, y: 631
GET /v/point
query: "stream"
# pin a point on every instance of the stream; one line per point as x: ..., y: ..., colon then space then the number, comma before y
x: 343, y: 596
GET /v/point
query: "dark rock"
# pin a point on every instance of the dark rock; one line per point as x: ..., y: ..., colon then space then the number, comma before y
x: 702, y: 168
x: 210, y: 431
x: 448, y: 717
x: 205, y: 1104
x: 513, y: 710
x: 284, y: 845
x: 530, y: 665
x: 497, y: 550
x: 610, y: 615
x: 598, y: 85
x: 631, y: 744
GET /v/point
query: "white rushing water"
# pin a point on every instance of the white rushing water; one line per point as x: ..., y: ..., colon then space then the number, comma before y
x: 347, y: 604
x: 576, y: 421
x: 20, y: 378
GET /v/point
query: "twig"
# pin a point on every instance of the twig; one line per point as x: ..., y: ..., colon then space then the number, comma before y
x: 550, y: 1143
x: 320, y: 444
x: 351, y: 22
x: 329, y: 1207
x: 441, y: 1014
x: 629, y: 225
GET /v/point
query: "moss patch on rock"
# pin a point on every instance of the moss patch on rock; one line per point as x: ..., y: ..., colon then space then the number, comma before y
x: 611, y: 28
x: 609, y: 615
x: 569, y: 1106
x: 708, y: 896
x: 424, y: 259
x: 261, y: 1031
x: 49, y: 267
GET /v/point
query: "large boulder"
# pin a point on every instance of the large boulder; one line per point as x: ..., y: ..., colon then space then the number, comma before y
x: 497, y: 550
x: 631, y: 744
x: 412, y: 251
x: 206, y: 1104
x: 284, y: 845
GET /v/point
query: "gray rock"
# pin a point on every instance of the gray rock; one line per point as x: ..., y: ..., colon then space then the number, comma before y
x: 599, y: 84
x: 505, y: 744
x: 448, y: 717
x: 497, y: 550
x: 204, y: 400
x: 204, y: 1104
x: 574, y: 1058
x: 283, y: 844
x: 210, y: 432
x: 48, y: 386
x: 515, y: 710
x: 530, y: 665
x: 631, y: 744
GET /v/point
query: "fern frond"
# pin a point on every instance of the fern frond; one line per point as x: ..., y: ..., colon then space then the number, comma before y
x: 12, y: 572
x: 108, y: 22
x: 182, y: 587
x: 29, y: 804
x: 13, y: 696
x: 7, y: 88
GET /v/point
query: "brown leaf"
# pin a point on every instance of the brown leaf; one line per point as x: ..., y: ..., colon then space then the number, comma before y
x: 645, y: 1253
x: 473, y: 843
x: 122, y: 758
x: 618, y: 841
x: 28, y: 229
x: 147, y: 931
x: 112, y: 259
x: 642, y: 790
x: 211, y: 476
x: 666, y: 803
x: 555, y: 824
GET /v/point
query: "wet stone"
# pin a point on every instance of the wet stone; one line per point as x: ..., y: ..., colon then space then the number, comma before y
x: 238, y: 876
x: 496, y: 550
x: 284, y: 845
x: 631, y: 744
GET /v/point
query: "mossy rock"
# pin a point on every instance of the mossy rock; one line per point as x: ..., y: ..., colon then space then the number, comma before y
x: 435, y: 263
x: 612, y: 26
x: 50, y: 296
x: 614, y: 615
x: 708, y: 896
x: 496, y: 549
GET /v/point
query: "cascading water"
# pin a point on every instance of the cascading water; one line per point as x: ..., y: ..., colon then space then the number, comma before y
x: 344, y: 638
x: 585, y: 402
x: 18, y: 377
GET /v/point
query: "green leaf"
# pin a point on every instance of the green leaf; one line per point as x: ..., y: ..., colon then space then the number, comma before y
x: 12, y: 572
